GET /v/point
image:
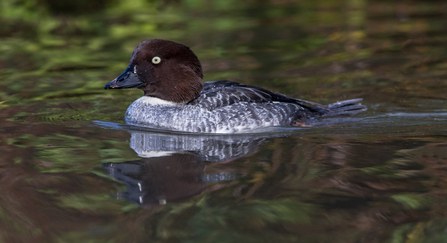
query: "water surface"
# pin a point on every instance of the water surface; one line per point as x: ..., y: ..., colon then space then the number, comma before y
x: 71, y: 171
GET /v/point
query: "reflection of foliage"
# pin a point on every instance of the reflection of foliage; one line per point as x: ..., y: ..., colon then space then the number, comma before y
x: 238, y: 223
x: 59, y: 153
x: 411, y: 201
x: 53, y: 182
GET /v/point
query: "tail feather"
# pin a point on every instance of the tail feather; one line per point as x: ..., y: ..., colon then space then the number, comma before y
x: 345, y: 108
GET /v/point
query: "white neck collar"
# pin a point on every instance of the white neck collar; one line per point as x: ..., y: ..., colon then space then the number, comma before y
x: 156, y: 101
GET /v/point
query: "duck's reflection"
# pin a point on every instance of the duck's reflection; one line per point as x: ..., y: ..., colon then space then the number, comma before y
x: 172, y: 167
x: 206, y: 148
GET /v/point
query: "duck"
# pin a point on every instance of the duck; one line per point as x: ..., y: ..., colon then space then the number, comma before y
x: 176, y: 98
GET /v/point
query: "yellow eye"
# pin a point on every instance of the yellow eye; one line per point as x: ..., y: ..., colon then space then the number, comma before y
x: 156, y: 60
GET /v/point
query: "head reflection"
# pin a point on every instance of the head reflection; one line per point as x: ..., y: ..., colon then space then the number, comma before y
x: 158, y: 180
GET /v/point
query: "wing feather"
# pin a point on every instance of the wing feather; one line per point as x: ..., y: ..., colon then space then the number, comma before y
x: 223, y: 93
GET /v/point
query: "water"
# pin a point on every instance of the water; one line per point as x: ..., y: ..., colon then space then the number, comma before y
x: 71, y: 171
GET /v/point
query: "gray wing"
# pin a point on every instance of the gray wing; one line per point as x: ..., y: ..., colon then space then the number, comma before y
x: 223, y: 93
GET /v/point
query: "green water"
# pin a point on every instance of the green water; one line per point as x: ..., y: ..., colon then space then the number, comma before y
x: 70, y: 171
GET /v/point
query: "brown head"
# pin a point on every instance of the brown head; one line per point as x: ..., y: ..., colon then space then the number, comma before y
x: 162, y: 69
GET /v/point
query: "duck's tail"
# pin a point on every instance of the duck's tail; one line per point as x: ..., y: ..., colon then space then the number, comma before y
x: 345, y: 108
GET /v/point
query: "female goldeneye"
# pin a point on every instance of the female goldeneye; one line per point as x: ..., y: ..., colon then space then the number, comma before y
x: 175, y: 98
